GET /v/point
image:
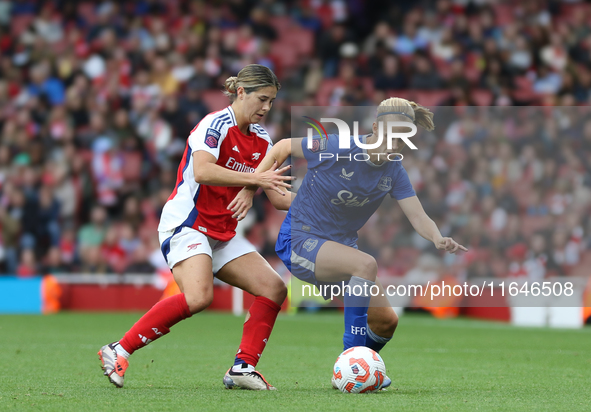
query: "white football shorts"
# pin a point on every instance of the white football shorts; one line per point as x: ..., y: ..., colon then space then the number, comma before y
x: 182, y: 243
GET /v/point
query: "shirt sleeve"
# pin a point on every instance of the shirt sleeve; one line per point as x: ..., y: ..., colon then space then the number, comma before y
x: 208, y: 137
x: 402, y: 188
x: 323, y: 152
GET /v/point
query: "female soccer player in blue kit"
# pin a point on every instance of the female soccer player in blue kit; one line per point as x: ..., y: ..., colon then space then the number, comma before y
x: 318, y: 238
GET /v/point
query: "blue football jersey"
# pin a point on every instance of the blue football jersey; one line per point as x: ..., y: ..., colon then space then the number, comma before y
x: 339, y: 193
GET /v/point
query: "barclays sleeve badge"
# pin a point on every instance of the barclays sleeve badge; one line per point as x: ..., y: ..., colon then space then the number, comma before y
x: 212, y: 138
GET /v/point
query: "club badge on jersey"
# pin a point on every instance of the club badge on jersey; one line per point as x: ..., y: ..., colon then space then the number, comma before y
x: 385, y: 184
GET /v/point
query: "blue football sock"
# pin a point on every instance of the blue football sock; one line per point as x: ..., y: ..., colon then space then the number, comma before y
x: 374, y: 341
x: 356, y: 299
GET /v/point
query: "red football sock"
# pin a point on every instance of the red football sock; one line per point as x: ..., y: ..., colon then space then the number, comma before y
x: 257, y: 330
x: 156, y: 322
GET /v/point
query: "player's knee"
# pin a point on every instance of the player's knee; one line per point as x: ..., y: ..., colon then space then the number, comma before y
x: 366, y: 267
x: 280, y: 292
x: 276, y: 291
x: 199, y: 301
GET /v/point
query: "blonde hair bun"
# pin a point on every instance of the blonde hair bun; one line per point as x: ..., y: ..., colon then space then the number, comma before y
x: 231, y: 84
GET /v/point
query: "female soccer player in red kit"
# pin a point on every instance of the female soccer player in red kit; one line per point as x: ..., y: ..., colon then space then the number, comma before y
x: 197, y: 231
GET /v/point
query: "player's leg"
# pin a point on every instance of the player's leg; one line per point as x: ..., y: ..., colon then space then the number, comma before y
x: 381, y: 320
x: 253, y: 274
x: 336, y: 262
x: 381, y: 324
x: 194, y: 276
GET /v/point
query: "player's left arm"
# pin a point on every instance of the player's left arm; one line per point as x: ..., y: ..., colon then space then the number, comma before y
x: 426, y: 227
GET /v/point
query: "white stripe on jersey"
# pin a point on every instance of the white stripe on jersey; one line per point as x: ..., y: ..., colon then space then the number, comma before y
x: 262, y: 133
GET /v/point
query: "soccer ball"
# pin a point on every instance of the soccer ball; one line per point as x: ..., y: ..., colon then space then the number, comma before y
x: 359, y: 370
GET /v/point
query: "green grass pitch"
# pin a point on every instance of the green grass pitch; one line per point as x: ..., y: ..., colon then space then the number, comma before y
x: 50, y: 363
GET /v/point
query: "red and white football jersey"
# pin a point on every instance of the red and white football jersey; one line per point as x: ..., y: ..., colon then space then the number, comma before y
x: 204, y: 207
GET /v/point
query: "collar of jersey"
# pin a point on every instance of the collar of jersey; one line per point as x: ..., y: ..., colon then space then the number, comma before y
x: 235, y: 123
x: 369, y: 162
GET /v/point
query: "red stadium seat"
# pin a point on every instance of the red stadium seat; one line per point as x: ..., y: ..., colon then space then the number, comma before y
x: 442, y: 66
x: 527, y: 96
x: 285, y: 53
x: 19, y: 23
x: 132, y: 166
x: 482, y: 97
x: 523, y: 83
x: 472, y: 74
x: 299, y: 38
x: 532, y: 224
x: 504, y: 14
x: 568, y: 11
x: 87, y: 10
x: 282, y: 23
x: 431, y: 98
x: 404, y: 94
x: 215, y: 100
x: 325, y: 89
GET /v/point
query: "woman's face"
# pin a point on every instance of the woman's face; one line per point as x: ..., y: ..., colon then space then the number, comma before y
x: 255, y: 105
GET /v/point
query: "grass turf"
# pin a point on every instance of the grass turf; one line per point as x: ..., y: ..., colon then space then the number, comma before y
x: 50, y: 363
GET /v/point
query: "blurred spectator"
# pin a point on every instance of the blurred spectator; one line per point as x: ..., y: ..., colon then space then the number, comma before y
x: 43, y: 84
x: 93, y: 233
x: 329, y: 48
x: 424, y: 76
x: 140, y: 261
x: 390, y: 77
x: 91, y: 260
x: 11, y: 215
x: 259, y: 22
x: 52, y: 263
x: 28, y: 266
x: 547, y: 82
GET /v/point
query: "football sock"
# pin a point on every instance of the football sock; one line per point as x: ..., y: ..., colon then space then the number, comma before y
x: 256, y: 331
x: 356, y: 300
x: 374, y: 341
x: 121, y: 352
x: 243, y: 367
x: 156, y: 322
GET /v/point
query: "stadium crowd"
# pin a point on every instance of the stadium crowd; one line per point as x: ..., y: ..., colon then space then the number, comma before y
x: 98, y: 98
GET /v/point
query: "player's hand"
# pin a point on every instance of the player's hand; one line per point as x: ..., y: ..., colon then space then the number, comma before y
x: 449, y: 245
x: 242, y: 203
x: 273, y: 179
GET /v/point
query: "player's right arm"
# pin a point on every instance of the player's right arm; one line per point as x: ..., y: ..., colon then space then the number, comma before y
x: 207, y: 172
x: 205, y: 142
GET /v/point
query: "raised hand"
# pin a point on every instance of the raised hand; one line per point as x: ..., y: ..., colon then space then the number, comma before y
x: 449, y: 245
